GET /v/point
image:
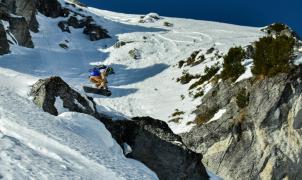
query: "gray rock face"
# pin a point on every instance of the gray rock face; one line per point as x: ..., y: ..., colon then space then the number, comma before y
x: 63, y: 25
x: 4, y: 47
x: 50, y: 8
x: 152, y: 141
x: 45, y: 92
x: 4, y: 12
x: 95, y: 32
x: 259, y: 141
x: 19, y: 28
x: 25, y: 8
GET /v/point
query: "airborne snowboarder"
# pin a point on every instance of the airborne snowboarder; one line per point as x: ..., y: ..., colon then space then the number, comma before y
x: 98, y: 76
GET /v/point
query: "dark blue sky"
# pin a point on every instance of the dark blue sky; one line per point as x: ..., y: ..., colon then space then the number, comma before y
x: 252, y: 13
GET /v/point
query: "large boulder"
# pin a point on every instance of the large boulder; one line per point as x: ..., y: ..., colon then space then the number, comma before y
x: 46, y: 92
x: 147, y: 140
x: 152, y: 142
x: 4, y: 46
x: 19, y: 28
x: 260, y: 134
x: 25, y: 8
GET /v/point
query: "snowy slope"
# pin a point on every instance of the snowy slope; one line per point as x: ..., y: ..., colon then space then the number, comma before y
x: 143, y: 87
x: 34, y: 144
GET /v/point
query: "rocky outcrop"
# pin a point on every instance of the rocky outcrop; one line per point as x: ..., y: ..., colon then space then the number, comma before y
x: 277, y: 29
x: 95, y: 32
x: 4, y: 47
x: 45, y: 92
x: 63, y: 25
x: 135, y: 53
x: 4, y: 12
x: 50, y: 8
x: 25, y: 8
x: 19, y: 28
x: 151, y: 141
x: 259, y: 138
x: 20, y: 16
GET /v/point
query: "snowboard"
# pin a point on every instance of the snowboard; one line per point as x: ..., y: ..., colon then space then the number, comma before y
x: 94, y: 90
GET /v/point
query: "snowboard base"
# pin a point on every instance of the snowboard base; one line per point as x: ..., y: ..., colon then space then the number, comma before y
x: 93, y: 90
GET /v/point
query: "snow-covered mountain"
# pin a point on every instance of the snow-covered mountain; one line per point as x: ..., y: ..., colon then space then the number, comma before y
x: 145, y: 52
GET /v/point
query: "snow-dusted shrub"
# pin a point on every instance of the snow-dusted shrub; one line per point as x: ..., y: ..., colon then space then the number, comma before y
x: 186, y: 78
x: 205, y: 116
x: 209, y: 73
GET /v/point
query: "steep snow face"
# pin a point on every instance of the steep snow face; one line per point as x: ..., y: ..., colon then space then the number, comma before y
x: 141, y: 87
x: 147, y: 86
x: 34, y: 144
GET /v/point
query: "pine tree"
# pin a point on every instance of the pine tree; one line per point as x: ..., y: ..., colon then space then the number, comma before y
x: 232, y: 67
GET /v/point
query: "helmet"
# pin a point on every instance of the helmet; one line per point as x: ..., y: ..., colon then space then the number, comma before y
x: 110, y: 70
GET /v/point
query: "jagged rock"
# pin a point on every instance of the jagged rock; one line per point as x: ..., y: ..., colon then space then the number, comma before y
x: 50, y: 8
x: 149, y: 18
x: 153, y: 143
x: 63, y: 45
x: 63, y: 25
x: 210, y: 51
x: 19, y: 28
x: 25, y: 8
x: 119, y: 44
x: 4, y: 12
x: 249, y: 51
x: 74, y: 22
x: 259, y: 141
x: 45, y: 92
x: 135, y: 53
x: 147, y: 140
x: 95, y: 32
x: 4, y: 46
x: 168, y: 24
x: 277, y: 29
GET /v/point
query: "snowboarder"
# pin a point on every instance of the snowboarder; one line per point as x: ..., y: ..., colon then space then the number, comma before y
x: 98, y: 76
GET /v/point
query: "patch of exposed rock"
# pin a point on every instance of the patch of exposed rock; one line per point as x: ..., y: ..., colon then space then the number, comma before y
x: 153, y: 143
x: 260, y: 140
x: 25, y: 8
x: 19, y: 28
x: 19, y: 19
x: 4, y: 46
x: 95, y: 32
x: 50, y: 8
